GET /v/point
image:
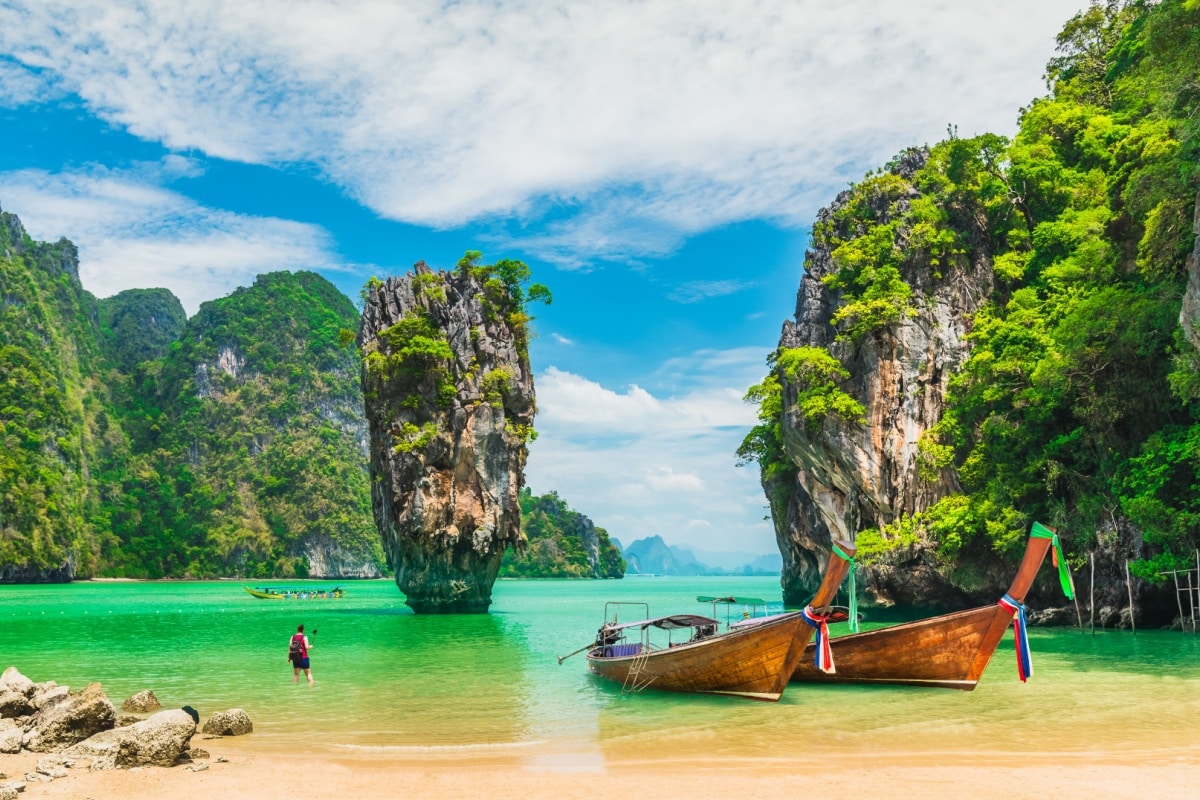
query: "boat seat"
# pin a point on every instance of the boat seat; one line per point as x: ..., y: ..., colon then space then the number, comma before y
x: 622, y: 650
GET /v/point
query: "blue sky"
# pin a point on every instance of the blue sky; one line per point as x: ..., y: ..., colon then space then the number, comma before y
x: 657, y: 164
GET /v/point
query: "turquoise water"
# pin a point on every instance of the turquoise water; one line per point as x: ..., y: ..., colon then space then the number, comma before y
x: 388, y: 680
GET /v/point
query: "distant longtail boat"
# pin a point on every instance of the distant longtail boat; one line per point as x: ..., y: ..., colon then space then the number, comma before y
x: 948, y: 651
x: 753, y: 658
x: 283, y: 593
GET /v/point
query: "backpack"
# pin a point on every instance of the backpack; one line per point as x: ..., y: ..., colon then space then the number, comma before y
x: 296, y: 647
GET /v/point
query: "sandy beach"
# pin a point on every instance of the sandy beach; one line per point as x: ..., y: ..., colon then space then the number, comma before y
x: 238, y: 769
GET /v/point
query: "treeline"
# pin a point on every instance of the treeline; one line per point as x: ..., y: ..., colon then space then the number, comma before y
x: 1079, y: 404
x: 561, y: 543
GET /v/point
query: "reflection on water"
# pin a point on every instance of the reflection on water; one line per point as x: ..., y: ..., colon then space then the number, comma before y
x: 391, y: 682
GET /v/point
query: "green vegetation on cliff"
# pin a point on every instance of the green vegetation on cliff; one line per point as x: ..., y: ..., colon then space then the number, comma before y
x: 1080, y: 400
x: 53, y: 420
x: 139, y: 325
x: 249, y: 444
x: 131, y: 445
x: 561, y: 543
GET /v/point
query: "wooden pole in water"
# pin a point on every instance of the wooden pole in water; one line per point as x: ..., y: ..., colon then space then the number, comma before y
x: 1178, y: 602
x: 1191, y: 601
x: 1092, y: 595
x: 1129, y: 586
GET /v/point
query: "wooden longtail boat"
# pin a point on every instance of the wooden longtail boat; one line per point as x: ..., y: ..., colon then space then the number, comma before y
x: 948, y: 651
x: 753, y: 658
x: 275, y: 593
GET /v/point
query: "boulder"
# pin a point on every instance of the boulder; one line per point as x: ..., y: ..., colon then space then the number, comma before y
x: 15, y: 691
x: 10, y: 737
x: 69, y: 720
x: 233, y: 722
x: 47, y: 694
x: 13, y: 705
x: 54, y: 766
x: 13, y: 680
x: 142, y: 703
x: 157, y: 741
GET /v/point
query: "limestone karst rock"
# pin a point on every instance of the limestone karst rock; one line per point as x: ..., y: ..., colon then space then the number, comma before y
x: 850, y: 476
x: 450, y: 404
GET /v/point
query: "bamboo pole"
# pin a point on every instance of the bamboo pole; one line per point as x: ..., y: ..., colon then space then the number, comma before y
x: 1092, y: 595
x: 1191, y: 601
x: 1178, y: 602
x: 1129, y: 587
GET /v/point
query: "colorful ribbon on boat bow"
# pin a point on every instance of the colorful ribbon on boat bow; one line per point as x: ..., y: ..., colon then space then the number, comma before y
x: 1056, y: 557
x: 824, y: 656
x: 852, y: 588
x: 1020, y: 636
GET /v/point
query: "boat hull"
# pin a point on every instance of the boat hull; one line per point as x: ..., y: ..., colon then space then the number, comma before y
x: 744, y: 662
x: 754, y: 660
x: 950, y: 651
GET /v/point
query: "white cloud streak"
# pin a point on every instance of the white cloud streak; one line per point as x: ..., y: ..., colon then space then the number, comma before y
x: 647, y: 121
x: 134, y: 234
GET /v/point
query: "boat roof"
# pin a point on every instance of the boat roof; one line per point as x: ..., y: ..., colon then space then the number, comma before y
x: 672, y: 622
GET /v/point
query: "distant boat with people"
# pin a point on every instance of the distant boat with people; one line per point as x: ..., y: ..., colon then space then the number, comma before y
x: 285, y: 593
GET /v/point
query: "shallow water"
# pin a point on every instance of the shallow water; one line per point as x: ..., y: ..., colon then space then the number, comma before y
x: 388, y: 681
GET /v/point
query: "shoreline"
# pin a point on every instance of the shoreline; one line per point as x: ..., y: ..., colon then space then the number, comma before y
x: 237, y: 768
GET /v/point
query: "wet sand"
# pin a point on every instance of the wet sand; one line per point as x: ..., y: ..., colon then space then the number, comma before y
x: 248, y: 772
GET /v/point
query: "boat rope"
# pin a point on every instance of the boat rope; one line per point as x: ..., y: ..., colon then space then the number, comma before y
x: 824, y: 655
x: 852, y: 589
x: 1020, y: 636
x: 1057, y: 558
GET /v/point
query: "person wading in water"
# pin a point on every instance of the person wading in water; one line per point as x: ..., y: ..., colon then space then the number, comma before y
x: 298, y: 649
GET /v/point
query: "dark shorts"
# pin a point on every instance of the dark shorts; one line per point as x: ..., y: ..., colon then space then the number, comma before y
x: 300, y: 663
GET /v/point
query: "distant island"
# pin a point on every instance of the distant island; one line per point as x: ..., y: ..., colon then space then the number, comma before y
x: 653, y: 556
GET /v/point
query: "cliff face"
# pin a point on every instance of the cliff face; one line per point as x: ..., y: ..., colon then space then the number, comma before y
x: 260, y: 401
x: 450, y: 404
x: 851, y: 476
x: 135, y: 445
x: 51, y: 412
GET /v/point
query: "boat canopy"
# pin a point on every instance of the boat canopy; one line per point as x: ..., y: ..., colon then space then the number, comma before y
x: 673, y: 622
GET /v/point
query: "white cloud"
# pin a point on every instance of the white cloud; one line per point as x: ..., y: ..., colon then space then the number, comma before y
x: 641, y: 465
x: 695, y: 291
x: 134, y: 234
x: 646, y: 121
x: 665, y: 479
x: 19, y: 85
x: 558, y: 337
